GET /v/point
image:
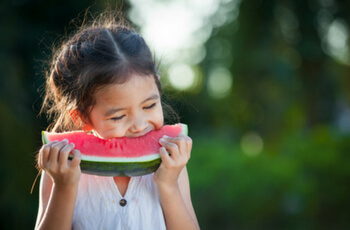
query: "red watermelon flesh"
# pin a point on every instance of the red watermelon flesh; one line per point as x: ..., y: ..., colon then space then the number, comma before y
x: 118, y: 156
x: 90, y: 145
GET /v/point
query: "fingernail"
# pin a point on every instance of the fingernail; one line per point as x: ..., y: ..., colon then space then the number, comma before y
x: 65, y: 140
x: 162, y: 140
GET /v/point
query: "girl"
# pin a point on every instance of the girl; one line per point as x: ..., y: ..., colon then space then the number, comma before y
x: 103, y: 79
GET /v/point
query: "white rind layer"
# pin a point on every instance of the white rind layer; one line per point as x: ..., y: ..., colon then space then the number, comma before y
x: 121, y: 159
x: 184, y: 129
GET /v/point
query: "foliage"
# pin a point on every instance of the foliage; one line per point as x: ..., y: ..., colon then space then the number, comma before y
x: 303, y: 185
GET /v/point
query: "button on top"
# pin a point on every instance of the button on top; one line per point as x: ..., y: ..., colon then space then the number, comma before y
x: 122, y: 202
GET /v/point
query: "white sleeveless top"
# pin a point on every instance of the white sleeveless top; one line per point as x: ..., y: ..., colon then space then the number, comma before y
x: 99, y: 205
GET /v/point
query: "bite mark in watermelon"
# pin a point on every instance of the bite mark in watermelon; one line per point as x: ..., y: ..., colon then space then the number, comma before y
x: 123, y: 156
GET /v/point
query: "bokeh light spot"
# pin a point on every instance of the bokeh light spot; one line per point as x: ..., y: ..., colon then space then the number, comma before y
x: 219, y: 82
x: 252, y: 144
x: 336, y: 39
x: 181, y: 76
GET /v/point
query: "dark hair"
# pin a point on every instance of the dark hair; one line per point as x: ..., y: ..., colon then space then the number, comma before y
x: 98, y: 54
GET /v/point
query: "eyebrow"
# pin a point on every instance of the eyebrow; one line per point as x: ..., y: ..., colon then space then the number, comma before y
x: 153, y: 97
x: 111, y: 111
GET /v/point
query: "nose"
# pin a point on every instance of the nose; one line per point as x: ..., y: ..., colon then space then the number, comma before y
x: 139, y: 124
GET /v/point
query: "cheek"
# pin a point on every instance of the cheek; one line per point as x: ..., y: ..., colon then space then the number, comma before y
x: 108, y: 129
x: 159, y: 118
x: 115, y: 130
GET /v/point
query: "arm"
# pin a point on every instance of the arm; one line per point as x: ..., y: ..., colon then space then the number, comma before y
x: 173, y: 184
x: 177, y: 205
x: 58, y: 186
x: 44, y: 196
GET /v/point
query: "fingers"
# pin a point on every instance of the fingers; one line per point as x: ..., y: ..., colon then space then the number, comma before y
x: 55, y: 154
x: 76, y: 158
x: 175, y: 153
x: 45, y: 154
x: 166, y: 159
x: 179, y: 148
x: 55, y: 151
x: 188, y: 141
x: 171, y: 147
x: 181, y: 144
x: 63, y: 154
x: 53, y: 159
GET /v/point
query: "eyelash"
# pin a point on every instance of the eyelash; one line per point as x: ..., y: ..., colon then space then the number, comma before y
x: 121, y: 117
x: 150, y: 107
x: 117, y: 118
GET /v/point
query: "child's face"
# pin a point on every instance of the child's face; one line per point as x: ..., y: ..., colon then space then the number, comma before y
x: 131, y: 109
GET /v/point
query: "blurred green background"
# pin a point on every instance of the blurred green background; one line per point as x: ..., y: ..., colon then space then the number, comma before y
x: 268, y: 109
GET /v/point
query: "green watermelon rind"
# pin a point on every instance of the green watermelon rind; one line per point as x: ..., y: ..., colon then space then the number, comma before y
x: 119, y: 168
x: 44, y: 138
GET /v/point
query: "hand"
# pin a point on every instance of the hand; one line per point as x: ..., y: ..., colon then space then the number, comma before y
x: 179, y: 149
x: 53, y: 158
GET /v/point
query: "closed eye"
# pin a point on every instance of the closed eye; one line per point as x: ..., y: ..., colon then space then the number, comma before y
x: 117, y: 118
x: 150, y: 107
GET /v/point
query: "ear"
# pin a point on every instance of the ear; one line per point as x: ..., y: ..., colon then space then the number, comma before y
x: 158, y: 76
x: 79, y: 121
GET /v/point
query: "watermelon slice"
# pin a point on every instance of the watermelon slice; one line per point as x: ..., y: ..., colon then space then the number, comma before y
x: 117, y: 156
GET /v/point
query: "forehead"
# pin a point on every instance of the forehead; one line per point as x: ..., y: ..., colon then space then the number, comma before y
x: 137, y: 87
